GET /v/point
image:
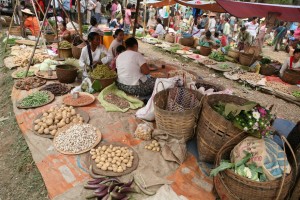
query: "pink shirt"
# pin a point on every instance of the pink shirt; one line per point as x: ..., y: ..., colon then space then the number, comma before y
x: 297, y: 33
x: 114, y: 8
x: 127, y: 16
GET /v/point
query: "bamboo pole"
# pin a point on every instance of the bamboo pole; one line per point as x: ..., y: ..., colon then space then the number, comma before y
x: 37, y: 41
x: 44, y: 14
x: 145, y: 14
x: 79, y: 17
x: 10, y: 25
x: 136, y: 17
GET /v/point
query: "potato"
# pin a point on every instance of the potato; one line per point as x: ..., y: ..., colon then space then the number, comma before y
x: 119, y: 170
x: 97, y: 160
x: 150, y: 148
x: 94, y: 157
x: 46, y: 131
x: 111, y: 146
x: 45, y: 114
x: 98, y: 166
x: 51, y: 116
x: 67, y: 120
x: 157, y: 149
x: 113, y: 154
x: 41, y: 130
x: 115, y: 169
x: 113, y: 161
x: 121, y: 158
x: 37, y: 121
x: 73, y: 112
x: 49, y: 121
x: 118, y: 163
x: 36, y: 127
x: 154, y: 141
x: 56, y: 121
x: 156, y: 144
x: 109, y: 155
x: 69, y: 115
x: 92, y: 152
x: 53, y: 132
x: 102, y: 159
x: 110, y: 168
x: 129, y: 165
x: 109, y: 159
x: 125, y: 161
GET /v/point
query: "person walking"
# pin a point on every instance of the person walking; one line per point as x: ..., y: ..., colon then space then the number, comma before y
x: 90, y: 8
x: 212, y: 23
x: 127, y: 21
x: 280, y: 32
x: 98, y: 11
x: 252, y: 27
x: 226, y: 31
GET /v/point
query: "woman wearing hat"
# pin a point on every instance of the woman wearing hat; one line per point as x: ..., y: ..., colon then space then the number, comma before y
x: 31, y: 22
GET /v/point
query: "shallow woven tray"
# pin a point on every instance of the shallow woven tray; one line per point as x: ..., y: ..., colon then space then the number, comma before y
x: 83, y: 114
x: 62, y: 130
x: 44, y: 75
x: 26, y: 42
x: 51, y: 98
x: 14, y: 74
x: 80, y: 94
x: 43, y: 82
x: 135, y: 163
x: 68, y: 89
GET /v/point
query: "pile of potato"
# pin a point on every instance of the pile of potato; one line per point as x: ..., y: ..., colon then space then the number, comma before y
x: 153, y: 146
x: 56, y: 117
x: 112, y: 158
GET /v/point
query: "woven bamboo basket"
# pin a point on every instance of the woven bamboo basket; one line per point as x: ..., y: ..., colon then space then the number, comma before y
x: 170, y: 38
x: 65, y: 53
x: 76, y: 50
x: 291, y: 77
x: 15, y: 30
x: 49, y: 37
x: 205, y: 51
x: 230, y: 185
x: 233, y: 54
x: 268, y: 70
x: 213, y: 129
x: 66, y: 73
x: 177, y: 124
x: 187, y: 41
x: 246, y: 59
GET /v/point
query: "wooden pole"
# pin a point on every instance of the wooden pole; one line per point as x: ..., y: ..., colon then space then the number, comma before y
x: 145, y: 14
x: 37, y: 41
x: 79, y: 17
x: 70, y: 20
x: 10, y: 25
x: 136, y: 17
x: 55, y: 18
x: 44, y: 14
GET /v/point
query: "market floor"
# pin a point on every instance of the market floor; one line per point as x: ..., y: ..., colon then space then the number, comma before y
x: 281, y: 108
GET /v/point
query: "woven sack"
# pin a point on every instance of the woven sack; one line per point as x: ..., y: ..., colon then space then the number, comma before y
x: 213, y: 129
x: 232, y: 186
x: 180, y: 125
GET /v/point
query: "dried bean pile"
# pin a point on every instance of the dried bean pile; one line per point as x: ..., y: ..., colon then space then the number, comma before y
x: 116, y: 100
x: 56, y: 88
x: 279, y: 86
x: 29, y: 83
x: 253, y: 77
x: 77, y: 138
x: 81, y: 100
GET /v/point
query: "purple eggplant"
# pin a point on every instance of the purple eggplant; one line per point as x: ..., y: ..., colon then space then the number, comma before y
x: 101, y: 188
x: 127, y: 190
x: 110, y: 180
x: 106, y: 197
x: 116, y: 195
x: 93, y: 187
x: 93, y: 175
x: 129, y: 183
x: 95, y: 181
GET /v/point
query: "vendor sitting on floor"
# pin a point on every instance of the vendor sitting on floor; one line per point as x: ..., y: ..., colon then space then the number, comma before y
x: 133, y: 72
x: 207, y: 40
x: 31, y: 23
x: 94, y: 26
x: 159, y: 30
x: 63, y: 33
x: 244, y: 39
x: 292, y: 63
x: 94, y: 50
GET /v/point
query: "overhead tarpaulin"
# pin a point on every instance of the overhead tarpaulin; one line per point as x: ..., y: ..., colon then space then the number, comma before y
x: 211, y: 6
x: 158, y: 4
x: 290, y: 13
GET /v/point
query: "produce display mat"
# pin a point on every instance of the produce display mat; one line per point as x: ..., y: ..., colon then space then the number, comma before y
x: 9, y: 62
x: 14, y: 74
x: 83, y: 114
x: 219, y: 67
x: 26, y: 42
x: 51, y: 98
x: 44, y: 75
x: 68, y: 88
x: 81, y: 94
x: 63, y: 129
x: 42, y: 82
x: 135, y: 162
x: 231, y: 76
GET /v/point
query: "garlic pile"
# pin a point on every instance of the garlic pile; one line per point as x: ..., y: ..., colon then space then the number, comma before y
x: 154, y: 146
x: 112, y: 158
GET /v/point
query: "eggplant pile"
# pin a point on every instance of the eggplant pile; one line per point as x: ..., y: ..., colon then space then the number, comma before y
x: 109, y: 188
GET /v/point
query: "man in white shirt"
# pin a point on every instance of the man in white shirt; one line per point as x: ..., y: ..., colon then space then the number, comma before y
x: 90, y: 9
x: 252, y: 27
x: 133, y: 72
x: 212, y: 23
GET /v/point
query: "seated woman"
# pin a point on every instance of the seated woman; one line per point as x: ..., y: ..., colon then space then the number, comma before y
x: 292, y: 63
x: 119, y: 36
x: 114, y: 23
x: 120, y: 49
x: 133, y: 72
x: 63, y: 33
x: 94, y: 26
x: 94, y: 53
x: 159, y: 30
x: 207, y: 40
x: 31, y: 23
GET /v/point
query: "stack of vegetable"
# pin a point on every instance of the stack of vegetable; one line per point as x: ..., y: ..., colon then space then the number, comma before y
x: 153, y: 146
x: 56, y: 88
x: 48, y: 64
x: 103, y: 72
x: 65, y: 45
x: 72, y: 61
x: 217, y: 56
x: 21, y: 74
x: 36, y: 99
x: 296, y: 94
x: 243, y: 168
x: 204, y: 44
x: 29, y: 83
x: 56, y: 118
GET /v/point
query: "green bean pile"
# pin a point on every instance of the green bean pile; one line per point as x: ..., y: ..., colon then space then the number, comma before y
x: 103, y: 72
x: 35, y: 99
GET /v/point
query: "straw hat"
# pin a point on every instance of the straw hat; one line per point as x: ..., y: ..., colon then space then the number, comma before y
x: 205, y: 14
x: 27, y: 11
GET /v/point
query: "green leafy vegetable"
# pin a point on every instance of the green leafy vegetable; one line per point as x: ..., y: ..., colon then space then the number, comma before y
x: 217, y: 56
x: 96, y: 86
x: 265, y: 61
x: 225, y: 164
x: 296, y: 94
x: 21, y: 74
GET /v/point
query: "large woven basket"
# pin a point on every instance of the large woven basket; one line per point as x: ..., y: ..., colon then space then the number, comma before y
x: 230, y: 185
x: 233, y: 54
x: 187, y: 41
x: 213, y: 129
x: 268, y: 70
x: 177, y: 124
x: 205, y: 51
x: 291, y: 77
x: 246, y: 59
x: 76, y: 50
x: 170, y: 38
x: 15, y: 30
x: 66, y: 73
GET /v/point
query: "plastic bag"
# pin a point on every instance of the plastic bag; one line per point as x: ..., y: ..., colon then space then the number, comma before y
x: 85, y: 86
x: 143, y: 131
